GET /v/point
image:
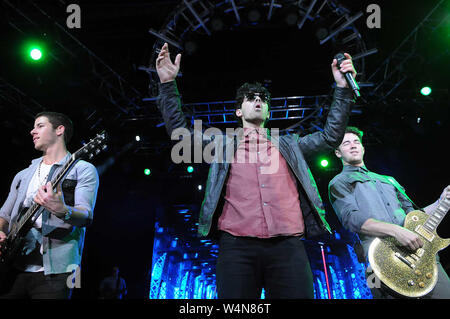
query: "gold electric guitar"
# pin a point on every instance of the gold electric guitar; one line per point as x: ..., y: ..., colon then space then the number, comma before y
x: 411, y: 274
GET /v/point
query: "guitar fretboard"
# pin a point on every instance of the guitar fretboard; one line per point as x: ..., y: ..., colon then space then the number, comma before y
x: 437, y: 215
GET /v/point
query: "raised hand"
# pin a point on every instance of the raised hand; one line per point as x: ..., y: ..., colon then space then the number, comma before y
x: 346, y: 66
x: 167, y: 71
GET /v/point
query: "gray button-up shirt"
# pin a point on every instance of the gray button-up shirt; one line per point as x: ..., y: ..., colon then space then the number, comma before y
x: 357, y: 194
x: 62, y: 242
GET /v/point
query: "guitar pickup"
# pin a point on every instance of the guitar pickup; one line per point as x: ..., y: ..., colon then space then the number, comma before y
x: 424, y: 233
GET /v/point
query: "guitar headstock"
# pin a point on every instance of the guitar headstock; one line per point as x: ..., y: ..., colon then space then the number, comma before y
x: 92, y: 148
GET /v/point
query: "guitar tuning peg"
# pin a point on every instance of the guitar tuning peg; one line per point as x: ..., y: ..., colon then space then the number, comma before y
x: 91, y: 156
x: 97, y: 151
x: 104, y: 147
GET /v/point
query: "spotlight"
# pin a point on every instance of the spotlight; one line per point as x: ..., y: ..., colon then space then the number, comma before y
x: 147, y: 171
x: 36, y: 54
x: 324, y: 163
x: 426, y: 90
x: 190, y: 169
x: 138, y: 138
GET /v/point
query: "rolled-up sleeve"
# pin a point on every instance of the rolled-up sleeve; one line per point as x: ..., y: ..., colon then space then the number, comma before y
x: 8, y: 205
x: 344, y: 203
x: 86, y: 189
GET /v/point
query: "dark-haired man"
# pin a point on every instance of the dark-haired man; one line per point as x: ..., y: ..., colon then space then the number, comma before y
x: 54, y: 245
x: 374, y: 205
x: 263, y: 197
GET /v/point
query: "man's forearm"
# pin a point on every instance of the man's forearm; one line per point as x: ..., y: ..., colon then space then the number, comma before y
x: 373, y: 227
x: 169, y: 104
x: 77, y: 216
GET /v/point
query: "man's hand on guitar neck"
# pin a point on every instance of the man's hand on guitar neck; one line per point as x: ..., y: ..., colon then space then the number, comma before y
x: 444, y: 196
x: 52, y: 201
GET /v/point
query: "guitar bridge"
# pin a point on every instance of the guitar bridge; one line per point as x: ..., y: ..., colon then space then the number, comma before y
x: 406, y: 261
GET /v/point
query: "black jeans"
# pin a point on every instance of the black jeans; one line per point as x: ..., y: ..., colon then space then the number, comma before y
x: 35, y: 285
x: 280, y: 265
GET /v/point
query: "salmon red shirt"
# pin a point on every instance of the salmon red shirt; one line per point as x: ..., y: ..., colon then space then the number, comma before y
x: 261, y: 198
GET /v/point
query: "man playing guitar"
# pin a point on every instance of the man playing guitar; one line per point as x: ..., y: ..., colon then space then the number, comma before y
x: 53, y: 246
x: 374, y: 205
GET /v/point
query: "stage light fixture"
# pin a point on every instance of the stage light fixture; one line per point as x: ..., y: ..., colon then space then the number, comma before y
x: 35, y: 54
x: 190, y: 169
x: 324, y: 163
x: 426, y: 90
x: 147, y: 171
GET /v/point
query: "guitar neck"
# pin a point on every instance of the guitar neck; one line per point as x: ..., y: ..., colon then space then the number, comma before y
x: 437, y: 215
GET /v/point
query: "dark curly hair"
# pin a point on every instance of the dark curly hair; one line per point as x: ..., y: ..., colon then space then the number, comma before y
x: 356, y: 131
x: 249, y: 88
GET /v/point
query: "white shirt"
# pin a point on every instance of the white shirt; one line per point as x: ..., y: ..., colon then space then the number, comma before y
x: 39, y: 179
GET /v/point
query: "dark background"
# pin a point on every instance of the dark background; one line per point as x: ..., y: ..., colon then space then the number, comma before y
x: 289, y: 61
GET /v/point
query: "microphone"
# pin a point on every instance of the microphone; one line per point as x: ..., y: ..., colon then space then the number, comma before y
x: 340, y: 57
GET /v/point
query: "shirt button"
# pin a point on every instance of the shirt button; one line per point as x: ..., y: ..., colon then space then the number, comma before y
x: 265, y: 204
x: 263, y: 185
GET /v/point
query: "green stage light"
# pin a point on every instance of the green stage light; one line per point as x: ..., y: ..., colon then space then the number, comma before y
x: 426, y: 90
x: 190, y: 169
x: 36, y: 54
x: 147, y: 171
x: 324, y: 163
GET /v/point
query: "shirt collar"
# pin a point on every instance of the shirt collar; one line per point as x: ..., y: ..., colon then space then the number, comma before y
x: 61, y: 162
x: 262, y: 131
x: 351, y: 168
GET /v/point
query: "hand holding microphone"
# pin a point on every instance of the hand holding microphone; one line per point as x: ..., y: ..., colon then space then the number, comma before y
x: 344, y: 72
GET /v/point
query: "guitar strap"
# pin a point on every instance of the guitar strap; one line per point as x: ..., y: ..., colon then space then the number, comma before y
x: 49, y: 178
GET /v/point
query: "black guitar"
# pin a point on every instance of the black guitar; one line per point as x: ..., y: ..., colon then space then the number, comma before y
x: 12, y: 247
